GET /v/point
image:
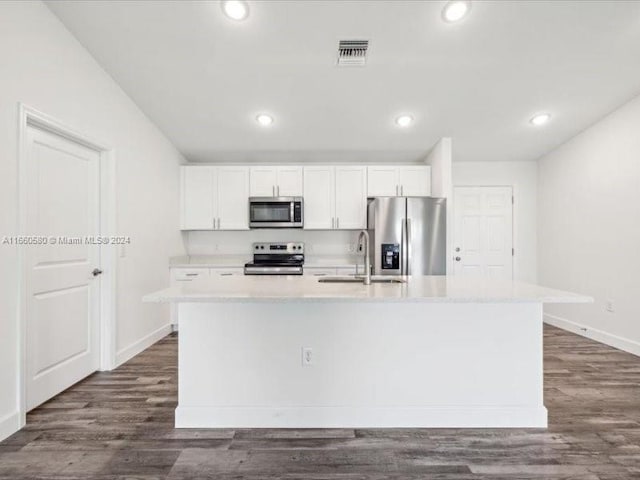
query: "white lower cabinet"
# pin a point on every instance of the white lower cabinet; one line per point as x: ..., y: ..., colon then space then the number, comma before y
x: 227, y: 271
x: 330, y: 271
x: 189, y: 274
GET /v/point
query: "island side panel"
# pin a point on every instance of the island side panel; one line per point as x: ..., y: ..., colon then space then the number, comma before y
x: 398, y: 364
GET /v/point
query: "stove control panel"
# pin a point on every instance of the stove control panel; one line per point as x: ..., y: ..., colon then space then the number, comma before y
x: 290, y: 247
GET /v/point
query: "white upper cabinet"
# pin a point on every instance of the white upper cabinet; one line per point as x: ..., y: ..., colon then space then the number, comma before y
x: 335, y: 198
x: 382, y: 181
x: 263, y: 181
x: 319, y: 198
x: 282, y: 181
x: 415, y: 181
x: 198, y: 195
x: 392, y: 181
x: 214, y: 198
x: 233, y: 198
x: 290, y: 182
x: 351, y: 197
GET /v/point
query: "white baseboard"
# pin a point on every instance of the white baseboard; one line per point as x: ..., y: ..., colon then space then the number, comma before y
x: 361, y: 417
x: 614, y: 341
x: 9, y: 425
x: 134, y: 349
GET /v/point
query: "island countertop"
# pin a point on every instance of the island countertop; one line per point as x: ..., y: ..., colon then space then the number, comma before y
x: 434, y: 289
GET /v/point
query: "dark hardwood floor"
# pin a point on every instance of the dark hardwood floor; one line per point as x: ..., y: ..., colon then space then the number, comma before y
x: 118, y: 425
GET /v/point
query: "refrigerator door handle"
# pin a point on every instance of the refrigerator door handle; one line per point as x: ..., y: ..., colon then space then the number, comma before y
x: 403, y: 248
x: 408, y: 245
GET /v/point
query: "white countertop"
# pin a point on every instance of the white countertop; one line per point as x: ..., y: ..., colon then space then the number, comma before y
x: 216, y: 261
x: 447, y: 289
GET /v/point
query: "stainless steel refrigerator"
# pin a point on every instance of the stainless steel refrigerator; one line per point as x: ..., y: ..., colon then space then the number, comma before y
x: 408, y: 235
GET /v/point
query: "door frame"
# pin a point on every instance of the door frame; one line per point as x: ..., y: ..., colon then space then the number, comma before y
x: 513, y: 221
x: 30, y: 117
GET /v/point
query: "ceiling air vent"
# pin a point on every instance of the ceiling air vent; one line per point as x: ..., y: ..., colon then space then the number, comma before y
x: 352, y: 52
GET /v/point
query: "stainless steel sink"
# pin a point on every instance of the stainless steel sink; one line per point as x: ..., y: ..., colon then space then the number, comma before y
x: 377, y: 279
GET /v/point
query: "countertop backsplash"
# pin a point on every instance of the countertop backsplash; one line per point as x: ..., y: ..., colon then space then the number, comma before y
x: 317, y: 242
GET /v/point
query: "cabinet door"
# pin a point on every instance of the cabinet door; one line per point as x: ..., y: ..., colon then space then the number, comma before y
x: 415, y: 181
x: 188, y: 274
x: 382, y: 181
x: 351, y: 198
x: 289, y: 182
x: 226, y: 271
x: 198, y: 194
x: 319, y: 198
x: 233, y: 198
x: 263, y: 181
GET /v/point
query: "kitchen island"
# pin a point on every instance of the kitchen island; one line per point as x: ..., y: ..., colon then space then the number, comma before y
x: 292, y: 352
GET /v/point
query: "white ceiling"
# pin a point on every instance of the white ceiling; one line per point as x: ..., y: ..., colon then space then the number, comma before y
x: 202, y: 78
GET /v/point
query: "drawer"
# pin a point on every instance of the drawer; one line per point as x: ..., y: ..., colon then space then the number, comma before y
x: 188, y: 274
x: 227, y: 271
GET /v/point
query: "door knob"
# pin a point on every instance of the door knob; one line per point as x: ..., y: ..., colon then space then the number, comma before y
x: 96, y: 272
x: 457, y: 249
x: 458, y: 259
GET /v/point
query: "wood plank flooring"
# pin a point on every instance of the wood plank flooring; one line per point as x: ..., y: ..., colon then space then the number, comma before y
x: 118, y: 425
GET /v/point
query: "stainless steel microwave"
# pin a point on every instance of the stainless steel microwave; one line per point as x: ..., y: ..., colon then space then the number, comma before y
x: 275, y: 212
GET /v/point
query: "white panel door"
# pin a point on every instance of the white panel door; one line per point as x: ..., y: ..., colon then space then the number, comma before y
x: 382, y: 181
x: 319, y: 198
x: 62, y: 306
x: 198, y: 198
x: 415, y: 181
x: 233, y: 198
x: 483, y: 232
x: 351, y: 198
x: 263, y: 181
x: 289, y: 181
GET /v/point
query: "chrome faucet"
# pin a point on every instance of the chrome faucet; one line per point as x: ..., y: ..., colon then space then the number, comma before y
x: 367, y: 264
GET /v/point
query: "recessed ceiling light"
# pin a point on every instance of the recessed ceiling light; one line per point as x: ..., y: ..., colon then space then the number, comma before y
x: 235, y: 9
x: 540, y: 119
x: 404, y: 120
x: 456, y: 10
x: 264, y: 119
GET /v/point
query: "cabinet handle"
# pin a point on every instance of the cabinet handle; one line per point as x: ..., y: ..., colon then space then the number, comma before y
x: 214, y: 223
x: 278, y: 190
x: 402, y: 190
x: 218, y: 223
x: 273, y: 190
x: 396, y: 190
x: 337, y: 222
x: 333, y: 221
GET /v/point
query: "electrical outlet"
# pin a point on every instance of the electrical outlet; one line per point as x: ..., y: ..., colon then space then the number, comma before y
x: 307, y: 356
x: 609, y: 306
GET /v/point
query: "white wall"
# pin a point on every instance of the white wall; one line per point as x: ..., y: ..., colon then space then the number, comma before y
x: 317, y: 242
x: 522, y: 176
x: 43, y: 66
x: 589, y: 227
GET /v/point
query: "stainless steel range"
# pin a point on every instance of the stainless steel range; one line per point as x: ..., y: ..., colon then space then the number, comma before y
x: 276, y: 259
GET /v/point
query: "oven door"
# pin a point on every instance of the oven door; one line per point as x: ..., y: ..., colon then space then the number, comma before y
x: 272, y: 212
